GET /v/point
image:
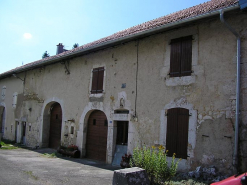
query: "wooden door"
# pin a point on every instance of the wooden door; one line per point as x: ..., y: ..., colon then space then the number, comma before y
x: 55, y: 126
x: 96, y: 142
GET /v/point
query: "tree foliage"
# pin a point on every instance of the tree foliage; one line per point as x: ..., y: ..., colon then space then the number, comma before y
x: 45, y: 54
x: 76, y: 45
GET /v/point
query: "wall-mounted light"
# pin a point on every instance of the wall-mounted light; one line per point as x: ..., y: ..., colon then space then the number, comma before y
x: 14, y: 75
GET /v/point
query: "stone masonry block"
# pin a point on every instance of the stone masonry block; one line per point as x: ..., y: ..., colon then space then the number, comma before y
x: 130, y: 176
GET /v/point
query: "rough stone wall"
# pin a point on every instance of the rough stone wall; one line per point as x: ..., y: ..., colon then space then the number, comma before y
x: 13, y: 85
x: 209, y: 93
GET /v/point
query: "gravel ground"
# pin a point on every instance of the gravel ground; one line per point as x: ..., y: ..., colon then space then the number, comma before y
x: 23, y: 166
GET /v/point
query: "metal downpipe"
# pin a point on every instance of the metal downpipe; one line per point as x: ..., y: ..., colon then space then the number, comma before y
x: 235, y: 154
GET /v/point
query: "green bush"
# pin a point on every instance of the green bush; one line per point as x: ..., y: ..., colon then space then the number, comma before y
x: 154, y: 161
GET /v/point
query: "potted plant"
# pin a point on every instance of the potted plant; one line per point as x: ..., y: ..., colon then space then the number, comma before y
x: 125, y: 162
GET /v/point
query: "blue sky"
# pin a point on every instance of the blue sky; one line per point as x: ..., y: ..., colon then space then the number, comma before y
x: 31, y: 27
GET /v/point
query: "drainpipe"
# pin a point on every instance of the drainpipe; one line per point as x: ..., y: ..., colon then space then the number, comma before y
x: 235, y: 154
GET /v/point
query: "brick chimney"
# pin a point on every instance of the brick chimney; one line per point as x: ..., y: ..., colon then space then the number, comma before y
x: 60, y: 48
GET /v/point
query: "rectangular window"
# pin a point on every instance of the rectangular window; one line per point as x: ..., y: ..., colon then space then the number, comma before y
x: 97, y: 80
x: 122, y: 132
x: 177, y: 132
x: 71, y: 130
x: 181, y: 57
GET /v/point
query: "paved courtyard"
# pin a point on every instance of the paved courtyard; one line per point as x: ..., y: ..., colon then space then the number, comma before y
x: 23, y: 166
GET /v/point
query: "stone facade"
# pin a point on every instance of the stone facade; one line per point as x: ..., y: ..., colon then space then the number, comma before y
x: 136, y: 79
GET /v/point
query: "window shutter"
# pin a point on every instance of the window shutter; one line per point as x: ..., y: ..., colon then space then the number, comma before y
x: 175, y: 57
x: 182, y: 133
x: 14, y: 100
x: 100, y: 79
x: 97, y: 80
x: 3, y: 92
x: 94, y: 81
x: 186, y: 56
x: 171, y: 134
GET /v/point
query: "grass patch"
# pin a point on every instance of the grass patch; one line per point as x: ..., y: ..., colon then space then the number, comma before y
x: 52, y: 155
x: 7, y: 145
x: 30, y: 173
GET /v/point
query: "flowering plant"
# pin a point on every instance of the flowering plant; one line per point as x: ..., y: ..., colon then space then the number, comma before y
x: 125, y: 161
x: 72, y: 147
x: 126, y: 158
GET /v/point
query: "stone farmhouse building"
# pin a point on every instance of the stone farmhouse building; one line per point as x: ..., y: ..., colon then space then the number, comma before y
x: 177, y: 81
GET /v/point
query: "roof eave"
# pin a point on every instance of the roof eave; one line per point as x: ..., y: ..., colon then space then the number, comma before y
x: 120, y: 40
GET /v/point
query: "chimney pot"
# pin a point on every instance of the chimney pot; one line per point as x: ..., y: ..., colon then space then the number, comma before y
x: 60, y: 48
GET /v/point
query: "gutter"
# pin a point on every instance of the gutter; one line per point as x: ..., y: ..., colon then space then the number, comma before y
x: 235, y: 154
x: 119, y: 41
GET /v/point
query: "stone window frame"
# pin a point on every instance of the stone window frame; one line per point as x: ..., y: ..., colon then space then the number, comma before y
x: 180, y: 103
x: 183, y: 80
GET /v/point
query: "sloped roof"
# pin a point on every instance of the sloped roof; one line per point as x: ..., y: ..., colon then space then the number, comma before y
x: 195, y: 11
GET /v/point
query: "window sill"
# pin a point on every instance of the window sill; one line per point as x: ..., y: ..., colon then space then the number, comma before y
x: 99, y: 95
x: 96, y: 97
x: 176, y: 81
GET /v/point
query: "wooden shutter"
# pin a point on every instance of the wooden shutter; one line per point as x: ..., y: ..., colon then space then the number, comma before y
x: 182, y: 133
x: 181, y: 57
x: 94, y: 81
x: 186, y: 56
x: 177, y: 132
x: 97, y: 81
x: 100, y: 79
x: 171, y: 133
x: 175, y: 58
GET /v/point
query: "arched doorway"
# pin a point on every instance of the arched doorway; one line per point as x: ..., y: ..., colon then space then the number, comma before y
x: 2, y: 120
x: 96, y: 142
x: 55, y: 126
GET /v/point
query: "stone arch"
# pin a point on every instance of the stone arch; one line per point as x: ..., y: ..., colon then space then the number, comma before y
x: 45, y: 124
x: 82, y: 132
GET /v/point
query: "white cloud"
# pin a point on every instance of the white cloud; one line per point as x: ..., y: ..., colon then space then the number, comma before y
x: 27, y: 36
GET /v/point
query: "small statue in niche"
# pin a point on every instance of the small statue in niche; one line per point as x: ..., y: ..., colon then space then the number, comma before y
x: 122, y: 102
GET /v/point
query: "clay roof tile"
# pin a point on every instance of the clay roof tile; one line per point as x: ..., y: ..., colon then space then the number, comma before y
x: 206, y: 7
